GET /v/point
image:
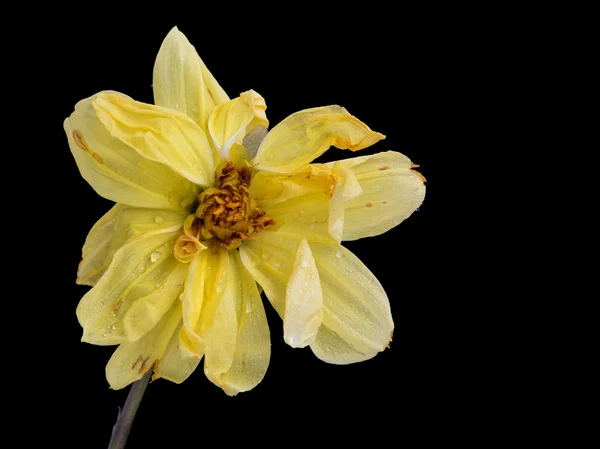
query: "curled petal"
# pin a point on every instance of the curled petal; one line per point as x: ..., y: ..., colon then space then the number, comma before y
x: 231, y: 121
x: 305, y: 135
x: 187, y: 247
x: 159, y: 134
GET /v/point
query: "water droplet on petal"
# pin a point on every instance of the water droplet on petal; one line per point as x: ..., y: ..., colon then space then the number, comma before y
x: 154, y: 256
x: 266, y: 256
x: 102, y: 303
x: 338, y: 254
x: 194, y: 110
x: 115, y: 326
x: 159, y: 219
x: 249, y: 306
x: 304, y: 264
x: 277, y: 265
x: 219, y: 288
x: 107, y: 334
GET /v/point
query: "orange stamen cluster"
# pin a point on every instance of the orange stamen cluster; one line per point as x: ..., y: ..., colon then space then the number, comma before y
x: 226, y: 212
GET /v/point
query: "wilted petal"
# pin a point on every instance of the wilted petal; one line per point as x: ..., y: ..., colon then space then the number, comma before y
x: 159, y: 134
x: 132, y: 360
x: 115, y: 170
x: 391, y: 191
x: 305, y: 135
x: 357, y: 322
x: 182, y: 82
x: 143, y: 274
x: 112, y: 231
x: 231, y: 121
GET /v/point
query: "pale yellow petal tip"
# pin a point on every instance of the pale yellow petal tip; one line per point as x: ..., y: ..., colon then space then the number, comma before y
x: 174, y: 33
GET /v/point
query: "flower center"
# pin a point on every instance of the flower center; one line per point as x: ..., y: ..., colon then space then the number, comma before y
x: 227, y: 214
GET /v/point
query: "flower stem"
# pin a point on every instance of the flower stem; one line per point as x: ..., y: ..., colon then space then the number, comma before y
x: 122, y: 427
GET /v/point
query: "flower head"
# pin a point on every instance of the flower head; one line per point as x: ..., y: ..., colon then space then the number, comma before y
x: 210, y: 205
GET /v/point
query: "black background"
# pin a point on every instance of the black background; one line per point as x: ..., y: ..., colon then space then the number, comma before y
x: 396, y: 70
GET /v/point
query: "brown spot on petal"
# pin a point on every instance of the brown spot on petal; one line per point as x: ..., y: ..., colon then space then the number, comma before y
x: 414, y: 165
x: 391, y: 336
x: 419, y: 175
x: 80, y: 142
x: 155, y: 374
x: 118, y: 306
x: 385, y: 167
x: 369, y: 204
x: 142, y: 368
x: 138, y: 360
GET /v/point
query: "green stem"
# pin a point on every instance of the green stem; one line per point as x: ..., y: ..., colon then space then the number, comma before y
x: 122, y: 427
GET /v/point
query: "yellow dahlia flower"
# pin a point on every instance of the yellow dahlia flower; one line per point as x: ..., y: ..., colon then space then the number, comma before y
x: 210, y: 206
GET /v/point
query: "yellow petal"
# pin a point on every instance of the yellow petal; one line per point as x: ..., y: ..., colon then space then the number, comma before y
x: 159, y: 134
x: 161, y: 291
x: 175, y: 364
x: 132, y: 360
x: 347, y: 187
x: 305, y: 135
x: 391, y: 192
x: 304, y: 301
x: 208, y: 275
x: 110, y: 233
x: 115, y: 170
x: 143, y: 269
x: 182, y: 82
x: 357, y: 322
x: 270, y: 258
x: 231, y: 121
x: 253, y: 345
x: 191, y: 346
x: 222, y: 332
x: 299, y: 203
